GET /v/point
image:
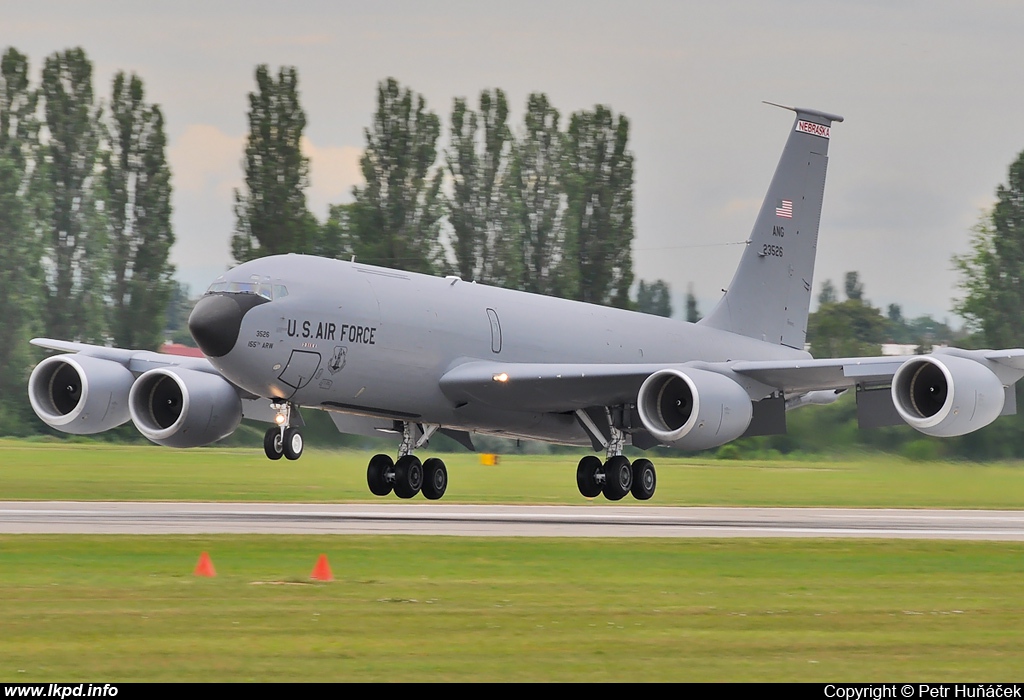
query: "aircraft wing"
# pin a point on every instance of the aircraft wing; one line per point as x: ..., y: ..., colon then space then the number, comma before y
x: 567, y: 387
x: 1013, y: 358
x: 546, y: 387
x: 794, y: 377
x: 137, y: 361
x: 557, y: 387
x: 799, y: 376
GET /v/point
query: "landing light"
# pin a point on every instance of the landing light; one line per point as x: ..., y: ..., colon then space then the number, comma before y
x: 500, y: 377
x: 279, y: 419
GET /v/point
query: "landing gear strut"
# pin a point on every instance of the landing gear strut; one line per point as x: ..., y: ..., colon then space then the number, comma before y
x: 283, y: 439
x: 407, y: 476
x: 615, y: 477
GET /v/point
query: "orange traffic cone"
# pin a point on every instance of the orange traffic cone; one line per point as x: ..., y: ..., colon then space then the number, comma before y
x: 322, y: 570
x: 205, y: 566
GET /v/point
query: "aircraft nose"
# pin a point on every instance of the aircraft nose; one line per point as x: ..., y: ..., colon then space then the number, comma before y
x: 216, y: 319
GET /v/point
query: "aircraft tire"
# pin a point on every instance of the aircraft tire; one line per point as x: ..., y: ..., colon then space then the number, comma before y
x: 645, y: 480
x: 435, y: 479
x: 618, y: 478
x: 273, y: 445
x: 586, y: 476
x: 293, y: 443
x: 377, y: 474
x: 408, y: 476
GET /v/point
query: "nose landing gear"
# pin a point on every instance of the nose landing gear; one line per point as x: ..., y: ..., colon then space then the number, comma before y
x: 283, y: 439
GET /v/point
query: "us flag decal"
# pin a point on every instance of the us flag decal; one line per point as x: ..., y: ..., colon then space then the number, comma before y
x: 784, y: 208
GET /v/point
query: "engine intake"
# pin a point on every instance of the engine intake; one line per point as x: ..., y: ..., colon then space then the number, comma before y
x: 80, y: 394
x: 947, y: 396
x: 693, y: 409
x: 179, y: 407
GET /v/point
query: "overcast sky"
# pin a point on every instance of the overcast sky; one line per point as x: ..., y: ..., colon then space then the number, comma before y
x: 931, y: 92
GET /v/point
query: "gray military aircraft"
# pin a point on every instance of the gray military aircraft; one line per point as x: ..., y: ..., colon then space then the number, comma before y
x: 396, y: 353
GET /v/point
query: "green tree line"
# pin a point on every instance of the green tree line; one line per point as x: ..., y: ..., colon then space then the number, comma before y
x: 545, y: 205
x: 538, y: 208
x: 85, y: 208
x: 84, y: 216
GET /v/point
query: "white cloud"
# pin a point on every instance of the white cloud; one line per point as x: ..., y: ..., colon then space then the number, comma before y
x: 206, y: 166
x: 205, y: 159
x: 333, y: 170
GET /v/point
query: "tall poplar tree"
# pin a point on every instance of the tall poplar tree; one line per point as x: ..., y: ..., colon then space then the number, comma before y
x: 19, y: 128
x: 692, y: 312
x: 271, y: 214
x: 138, y: 190
x: 654, y: 298
x: 484, y: 236
x: 538, y: 200
x: 992, y: 274
x: 20, y: 251
x: 598, y: 178
x: 396, y: 217
x: 75, y: 247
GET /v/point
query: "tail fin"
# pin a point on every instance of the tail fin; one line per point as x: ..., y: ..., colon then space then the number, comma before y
x: 770, y: 295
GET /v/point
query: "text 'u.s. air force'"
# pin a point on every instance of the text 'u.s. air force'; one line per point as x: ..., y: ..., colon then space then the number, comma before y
x: 328, y: 330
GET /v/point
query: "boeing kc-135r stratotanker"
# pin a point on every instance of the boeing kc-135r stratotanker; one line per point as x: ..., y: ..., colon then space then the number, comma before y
x: 391, y: 352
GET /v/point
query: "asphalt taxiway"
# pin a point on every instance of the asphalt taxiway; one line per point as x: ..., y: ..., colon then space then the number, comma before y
x: 585, y: 520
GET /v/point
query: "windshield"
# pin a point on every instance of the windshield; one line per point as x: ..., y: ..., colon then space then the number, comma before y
x: 264, y: 289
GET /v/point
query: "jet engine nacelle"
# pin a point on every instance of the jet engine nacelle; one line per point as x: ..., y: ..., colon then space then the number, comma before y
x: 80, y: 394
x: 693, y: 409
x: 946, y: 396
x: 179, y: 407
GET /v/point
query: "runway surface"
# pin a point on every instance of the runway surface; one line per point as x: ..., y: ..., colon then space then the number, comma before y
x: 589, y: 520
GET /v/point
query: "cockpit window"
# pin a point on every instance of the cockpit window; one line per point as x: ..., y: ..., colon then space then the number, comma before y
x: 264, y: 289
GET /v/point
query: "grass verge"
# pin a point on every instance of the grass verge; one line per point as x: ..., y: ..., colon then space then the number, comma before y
x: 30, y: 471
x: 122, y: 608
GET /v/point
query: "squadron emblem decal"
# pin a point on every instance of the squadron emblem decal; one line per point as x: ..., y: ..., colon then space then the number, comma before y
x: 337, y: 362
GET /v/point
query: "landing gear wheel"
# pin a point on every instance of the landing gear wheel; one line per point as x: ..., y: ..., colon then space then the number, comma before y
x: 645, y: 479
x: 435, y: 479
x: 408, y: 476
x: 273, y: 444
x: 293, y: 443
x: 586, y: 476
x: 377, y: 474
x: 618, y: 478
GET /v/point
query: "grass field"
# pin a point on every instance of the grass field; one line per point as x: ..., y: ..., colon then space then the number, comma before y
x: 127, y: 608
x: 31, y: 471
x: 460, y: 609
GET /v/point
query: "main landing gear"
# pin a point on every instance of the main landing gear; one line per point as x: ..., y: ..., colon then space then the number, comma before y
x: 616, y: 477
x: 408, y: 476
x: 283, y: 439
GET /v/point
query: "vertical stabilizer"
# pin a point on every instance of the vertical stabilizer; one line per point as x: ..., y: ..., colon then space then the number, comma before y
x: 770, y: 294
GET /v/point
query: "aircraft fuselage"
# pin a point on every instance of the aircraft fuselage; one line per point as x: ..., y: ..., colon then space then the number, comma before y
x: 372, y: 341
